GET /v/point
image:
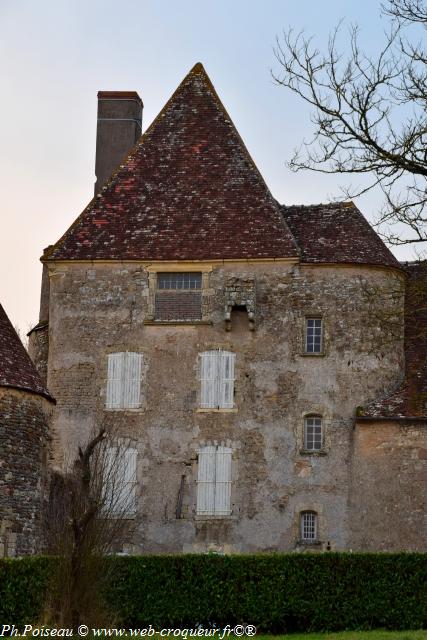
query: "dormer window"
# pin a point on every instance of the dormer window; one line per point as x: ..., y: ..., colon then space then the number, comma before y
x: 178, y: 296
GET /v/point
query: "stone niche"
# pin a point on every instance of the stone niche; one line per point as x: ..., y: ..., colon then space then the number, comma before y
x: 240, y: 294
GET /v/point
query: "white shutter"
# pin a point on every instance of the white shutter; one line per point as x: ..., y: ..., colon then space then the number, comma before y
x: 132, y: 381
x: 206, y: 481
x: 115, y: 380
x: 226, y: 379
x: 120, y: 482
x: 209, y: 379
x: 223, y: 481
x: 128, y: 492
x: 109, y: 480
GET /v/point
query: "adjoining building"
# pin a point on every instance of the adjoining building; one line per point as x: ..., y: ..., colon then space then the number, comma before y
x: 242, y: 347
x: 25, y: 408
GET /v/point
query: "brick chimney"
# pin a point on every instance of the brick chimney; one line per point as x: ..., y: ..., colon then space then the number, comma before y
x: 118, y: 128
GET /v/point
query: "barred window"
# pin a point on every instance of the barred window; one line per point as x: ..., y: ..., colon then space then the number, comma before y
x: 313, y: 335
x: 178, y: 296
x: 179, y: 281
x: 309, y: 526
x: 313, y: 433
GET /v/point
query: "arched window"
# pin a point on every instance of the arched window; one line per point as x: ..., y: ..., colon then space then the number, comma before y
x: 313, y: 433
x: 308, y: 524
x: 217, y: 379
x: 124, y: 380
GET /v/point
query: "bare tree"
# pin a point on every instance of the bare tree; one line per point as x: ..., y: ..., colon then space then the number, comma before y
x: 369, y: 114
x: 89, y: 516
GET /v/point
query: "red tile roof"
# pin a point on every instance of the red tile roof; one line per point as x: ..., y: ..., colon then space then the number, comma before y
x: 16, y: 368
x: 189, y: 190
x: 409, y: 400
x: 336, y: 233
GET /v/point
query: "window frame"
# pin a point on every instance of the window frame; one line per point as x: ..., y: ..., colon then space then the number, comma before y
x: 314, y: 317
x: 306, y: 448
x: 176, y: 268
x: 303, y: 526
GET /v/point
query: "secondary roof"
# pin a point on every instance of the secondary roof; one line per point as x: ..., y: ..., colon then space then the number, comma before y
x: 16, y: 368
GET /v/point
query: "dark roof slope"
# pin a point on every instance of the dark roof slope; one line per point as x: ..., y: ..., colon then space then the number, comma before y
x: 336, y: 233
x: 409, y: 400
x: 16, y: 367
x: 187, y: 191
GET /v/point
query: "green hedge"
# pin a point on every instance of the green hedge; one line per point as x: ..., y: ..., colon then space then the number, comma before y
x: 23, y: 584
x: 275, y: 592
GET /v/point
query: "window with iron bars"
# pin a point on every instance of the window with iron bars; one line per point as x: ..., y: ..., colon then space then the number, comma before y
x: 178, y: 296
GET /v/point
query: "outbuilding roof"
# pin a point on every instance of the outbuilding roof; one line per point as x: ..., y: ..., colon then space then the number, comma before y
x: 16, y: 368
x: 336, y: 233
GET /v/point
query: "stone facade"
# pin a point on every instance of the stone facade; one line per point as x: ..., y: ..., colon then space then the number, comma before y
x: 389, y: 486
x: 24, y: 447
x: 100, y: 309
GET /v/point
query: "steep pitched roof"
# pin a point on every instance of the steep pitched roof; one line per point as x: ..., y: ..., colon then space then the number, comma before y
x: 16, y: 368
x: 409, y: 400
x: 336, y: 233
x: 189, y: 190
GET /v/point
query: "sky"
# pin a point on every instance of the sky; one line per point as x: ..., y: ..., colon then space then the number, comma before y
x: 55, y: 55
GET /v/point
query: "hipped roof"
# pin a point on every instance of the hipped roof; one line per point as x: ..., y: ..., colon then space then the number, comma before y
x: 16, y: 368
x: 189, y: 190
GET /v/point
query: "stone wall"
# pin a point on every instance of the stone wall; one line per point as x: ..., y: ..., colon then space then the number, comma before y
x: 97, y: 309
x: 389, y: 486
x: 23, y: 471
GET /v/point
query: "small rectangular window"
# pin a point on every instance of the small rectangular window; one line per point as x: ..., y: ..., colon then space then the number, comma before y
x: 178, y: 296
x: 313, y: 335
x: 309, y: 526
x: 313, y: 433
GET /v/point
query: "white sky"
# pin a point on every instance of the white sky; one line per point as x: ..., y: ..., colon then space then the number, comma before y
x: 56, y: 54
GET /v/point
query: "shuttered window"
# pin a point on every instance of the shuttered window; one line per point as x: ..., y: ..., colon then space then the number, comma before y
x: 217, y: 379
x: 214, y: 481
x: 124, y: 380
x: 120, y: 482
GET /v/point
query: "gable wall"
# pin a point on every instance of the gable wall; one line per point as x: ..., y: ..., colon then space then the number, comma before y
x: 96, y: 309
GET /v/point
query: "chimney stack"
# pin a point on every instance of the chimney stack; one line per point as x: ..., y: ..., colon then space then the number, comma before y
x: 118, y: 128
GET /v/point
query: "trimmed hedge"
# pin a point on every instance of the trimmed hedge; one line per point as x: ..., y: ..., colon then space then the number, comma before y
x: 275, y: 592
x: 23, y: 584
